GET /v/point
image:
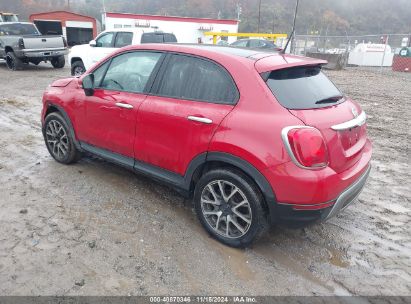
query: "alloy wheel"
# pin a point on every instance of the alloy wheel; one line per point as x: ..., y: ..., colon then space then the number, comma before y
x: 78, y: 71
x: 57, y: 139
x: 226, y: 209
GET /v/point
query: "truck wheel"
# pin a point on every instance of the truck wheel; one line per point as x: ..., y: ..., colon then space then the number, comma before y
x: 58, y: 62
x: 77, y: 68
x: 13, y: 63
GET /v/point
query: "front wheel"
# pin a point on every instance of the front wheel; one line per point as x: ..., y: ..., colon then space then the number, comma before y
x: 230, y: 207
x: 58, y: 139
x: 58, y: 62
x: 77, y: 68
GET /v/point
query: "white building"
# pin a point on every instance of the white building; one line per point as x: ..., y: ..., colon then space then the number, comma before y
x: 187, y: 30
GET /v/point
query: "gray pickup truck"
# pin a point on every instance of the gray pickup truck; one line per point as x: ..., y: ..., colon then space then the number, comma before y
x: 21, y: 43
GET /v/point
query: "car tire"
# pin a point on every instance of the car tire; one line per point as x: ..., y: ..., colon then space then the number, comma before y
x: 58, y: 139
x: 58, y: 62
x: 77, y: 68
x: 236, y: 218
x: 13, y: 63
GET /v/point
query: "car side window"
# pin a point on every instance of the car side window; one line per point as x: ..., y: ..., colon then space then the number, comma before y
x: 169, y: 37
x: 105, y: 40
x: 255, y: 43
x: 193, y: 78
x: 240, y: 43
x: 152, y: 38
x: 123, y: 39
x: 99, y: 73
x: 130, y: 71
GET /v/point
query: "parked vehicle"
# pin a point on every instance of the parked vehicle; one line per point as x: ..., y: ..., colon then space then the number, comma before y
x: 21, y: 43
x: 8, y: 17
x: 256, y: 43
x: 253, y: 137
x: 82, y: 57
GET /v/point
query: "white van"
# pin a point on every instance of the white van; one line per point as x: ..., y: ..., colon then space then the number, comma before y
x: 82, y: 57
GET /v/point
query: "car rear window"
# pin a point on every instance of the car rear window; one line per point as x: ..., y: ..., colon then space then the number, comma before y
x: 18, y: 29
x: 158, y: 38
x: 303, y: 88
x: 152, y: 38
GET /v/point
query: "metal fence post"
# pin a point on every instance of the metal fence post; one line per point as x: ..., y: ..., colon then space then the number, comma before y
x: 383, y: 55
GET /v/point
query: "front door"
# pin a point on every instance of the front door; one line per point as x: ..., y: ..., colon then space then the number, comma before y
x: 111, y: 113
x: 189, y: 100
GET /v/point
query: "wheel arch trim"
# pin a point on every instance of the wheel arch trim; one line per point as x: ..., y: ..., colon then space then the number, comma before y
x: 249, y: 169
x: 66, y: 118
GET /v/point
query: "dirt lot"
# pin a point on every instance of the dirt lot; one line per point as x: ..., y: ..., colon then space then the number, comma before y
x: 96, y: 229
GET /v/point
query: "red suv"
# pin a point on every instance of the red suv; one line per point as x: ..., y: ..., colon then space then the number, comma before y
x: 254, y: 138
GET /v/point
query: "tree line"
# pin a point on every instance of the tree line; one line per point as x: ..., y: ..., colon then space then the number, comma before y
x: 322, y: 17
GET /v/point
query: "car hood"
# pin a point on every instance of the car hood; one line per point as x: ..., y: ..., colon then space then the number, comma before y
x: 62, y: 82
x: 79, y: 48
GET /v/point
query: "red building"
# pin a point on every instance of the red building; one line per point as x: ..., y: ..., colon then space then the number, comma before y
x: 77, y: 29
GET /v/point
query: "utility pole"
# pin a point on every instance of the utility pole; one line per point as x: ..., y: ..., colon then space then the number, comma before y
x: 259, y: 16
x: 68, y: 4
x: 239, y: 11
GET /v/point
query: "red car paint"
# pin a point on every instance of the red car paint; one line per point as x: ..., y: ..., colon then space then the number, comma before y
x: 157, y: 132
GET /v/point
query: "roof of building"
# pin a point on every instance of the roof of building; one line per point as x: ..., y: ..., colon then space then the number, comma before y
x: 59, y: 12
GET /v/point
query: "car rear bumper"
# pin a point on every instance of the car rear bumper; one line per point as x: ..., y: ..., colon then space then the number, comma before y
x: 42, y: 53
x: 348, y: 196
x: 296, y: 216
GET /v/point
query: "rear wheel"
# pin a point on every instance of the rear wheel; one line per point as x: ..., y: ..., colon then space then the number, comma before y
x: 230, y: 207
x: 58, y: 140
x: 77, y: 68
x: 13, y: 63
x: 58, y: 62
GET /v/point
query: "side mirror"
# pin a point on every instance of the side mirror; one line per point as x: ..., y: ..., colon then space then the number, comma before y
x: 88, y: 84
x: 93, y: 43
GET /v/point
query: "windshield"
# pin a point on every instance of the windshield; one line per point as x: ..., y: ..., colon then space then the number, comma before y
x: 18, y: 29
x: 303, y: 88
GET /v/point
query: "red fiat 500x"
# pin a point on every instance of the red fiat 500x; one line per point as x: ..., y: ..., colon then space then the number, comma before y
x: 254, y: 138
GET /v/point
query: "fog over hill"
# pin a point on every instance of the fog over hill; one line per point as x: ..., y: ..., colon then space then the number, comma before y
x: 352, y: 17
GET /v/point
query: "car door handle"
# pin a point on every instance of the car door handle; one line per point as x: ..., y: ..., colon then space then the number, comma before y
x: 124, y: 105
x: 200, y: 119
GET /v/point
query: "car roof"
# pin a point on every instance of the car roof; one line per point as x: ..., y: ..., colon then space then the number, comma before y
x: 263, y: 60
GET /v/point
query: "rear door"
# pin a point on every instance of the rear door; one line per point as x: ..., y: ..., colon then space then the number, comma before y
x: 315, y: 100
x: 190, y: 98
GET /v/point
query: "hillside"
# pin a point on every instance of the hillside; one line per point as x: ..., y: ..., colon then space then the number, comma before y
x: 330, y: 17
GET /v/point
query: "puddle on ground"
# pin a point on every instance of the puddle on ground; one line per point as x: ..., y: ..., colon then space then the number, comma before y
x: 336, y: 258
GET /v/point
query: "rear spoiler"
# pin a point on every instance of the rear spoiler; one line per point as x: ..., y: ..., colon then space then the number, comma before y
x: 279, y: 61
x: 266, y: 75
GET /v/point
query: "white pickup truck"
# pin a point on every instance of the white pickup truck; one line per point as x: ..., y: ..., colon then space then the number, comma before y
x: 82, y: 57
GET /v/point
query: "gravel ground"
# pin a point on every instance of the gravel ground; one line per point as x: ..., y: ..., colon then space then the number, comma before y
x: 96, y: 229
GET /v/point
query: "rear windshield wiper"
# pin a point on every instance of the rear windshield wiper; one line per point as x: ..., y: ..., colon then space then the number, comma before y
x: 332, y: 99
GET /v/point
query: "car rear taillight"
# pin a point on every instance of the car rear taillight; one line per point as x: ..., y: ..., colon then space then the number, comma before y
x: 306, y: 147
x: 21, y: 43
x: 64, y: 42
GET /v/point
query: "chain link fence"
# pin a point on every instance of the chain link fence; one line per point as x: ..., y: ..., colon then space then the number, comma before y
x: 387, y: 52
